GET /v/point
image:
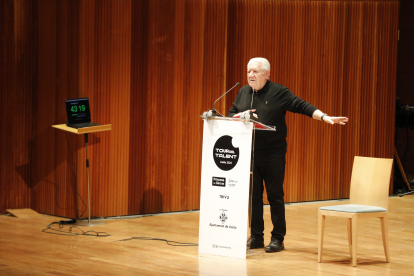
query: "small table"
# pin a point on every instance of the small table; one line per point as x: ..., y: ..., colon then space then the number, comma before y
x: 85, y: 131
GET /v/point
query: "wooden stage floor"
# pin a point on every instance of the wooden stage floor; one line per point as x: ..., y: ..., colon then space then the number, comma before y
x: 25, y: 249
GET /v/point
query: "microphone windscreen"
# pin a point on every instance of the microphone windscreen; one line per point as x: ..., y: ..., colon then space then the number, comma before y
x: 237, y: 83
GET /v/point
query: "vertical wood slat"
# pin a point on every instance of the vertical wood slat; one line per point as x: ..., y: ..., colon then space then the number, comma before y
x: 18, y: 50
x: 151, y: 68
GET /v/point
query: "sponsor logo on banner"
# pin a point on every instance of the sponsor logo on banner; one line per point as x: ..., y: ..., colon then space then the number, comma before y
x: 223, y: 217
x: 232, y: 183
x: 225, y: 155
x: 219, y: 181
x: 221, y: 246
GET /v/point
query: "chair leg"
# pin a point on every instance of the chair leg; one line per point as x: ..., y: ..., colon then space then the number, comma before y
x: 321, y: 228
x: 354, y: 223
x: 349, y: 228
x: 384, y: 230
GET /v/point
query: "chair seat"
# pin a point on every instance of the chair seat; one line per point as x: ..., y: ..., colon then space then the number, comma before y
x: 353, y: 208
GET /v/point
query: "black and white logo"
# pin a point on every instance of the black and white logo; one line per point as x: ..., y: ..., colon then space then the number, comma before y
x: 219, y: 181
x: 221, y: 246
x: 223, y: 217
x: 224, y: 196
x: 225, y: 154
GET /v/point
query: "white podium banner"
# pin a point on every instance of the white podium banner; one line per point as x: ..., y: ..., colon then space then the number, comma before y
x: 225, y: 178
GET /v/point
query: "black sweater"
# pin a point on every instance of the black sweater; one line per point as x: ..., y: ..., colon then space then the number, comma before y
x: 271, y: 104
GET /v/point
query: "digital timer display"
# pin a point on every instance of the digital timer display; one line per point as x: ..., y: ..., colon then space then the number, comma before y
x: 78, y: 110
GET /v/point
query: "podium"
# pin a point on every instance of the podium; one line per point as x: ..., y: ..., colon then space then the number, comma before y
x: 85, y: 131
x: 226, y: 189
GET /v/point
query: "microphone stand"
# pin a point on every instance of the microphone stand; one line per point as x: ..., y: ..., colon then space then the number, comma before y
x: 213, y: 111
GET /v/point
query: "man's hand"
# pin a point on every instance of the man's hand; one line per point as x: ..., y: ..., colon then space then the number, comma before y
x: 319, y: 115
x: 335, y: 120
x: 245, y: 112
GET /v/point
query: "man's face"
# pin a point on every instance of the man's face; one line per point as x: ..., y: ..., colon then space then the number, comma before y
x: 256, y: 77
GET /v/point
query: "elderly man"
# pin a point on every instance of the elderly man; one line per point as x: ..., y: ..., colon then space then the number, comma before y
x: 269, y: 101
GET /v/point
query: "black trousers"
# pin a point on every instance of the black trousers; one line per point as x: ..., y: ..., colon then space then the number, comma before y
x: 269, y: 165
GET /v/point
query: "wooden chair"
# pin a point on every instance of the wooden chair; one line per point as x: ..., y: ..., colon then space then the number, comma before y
x: 368, y: 198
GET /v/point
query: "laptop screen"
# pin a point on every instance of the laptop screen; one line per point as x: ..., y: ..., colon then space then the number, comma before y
x: 78, y: 111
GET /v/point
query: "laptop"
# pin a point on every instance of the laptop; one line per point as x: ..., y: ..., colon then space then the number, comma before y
x: 79, y: 113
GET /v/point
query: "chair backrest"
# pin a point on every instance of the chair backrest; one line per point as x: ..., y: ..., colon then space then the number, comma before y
x: 370, y: 181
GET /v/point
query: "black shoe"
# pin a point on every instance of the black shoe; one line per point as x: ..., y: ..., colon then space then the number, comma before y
x: 255, y: 242
x: 275, y: 245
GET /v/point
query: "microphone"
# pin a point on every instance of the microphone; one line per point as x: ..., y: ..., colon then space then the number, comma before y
x: 213, y: 112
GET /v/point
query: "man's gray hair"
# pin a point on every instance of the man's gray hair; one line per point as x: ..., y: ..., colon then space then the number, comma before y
x: 264, y: 63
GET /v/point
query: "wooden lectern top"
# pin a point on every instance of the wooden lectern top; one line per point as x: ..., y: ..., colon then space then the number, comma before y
x: 84, y: 129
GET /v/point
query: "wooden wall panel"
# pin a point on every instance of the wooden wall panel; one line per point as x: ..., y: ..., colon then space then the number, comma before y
x: 151, y: 68
x: 182, y: 59
x: 138, y: 142
x: 18, y: 56
x: 105, y: 62
x: 52, y: 166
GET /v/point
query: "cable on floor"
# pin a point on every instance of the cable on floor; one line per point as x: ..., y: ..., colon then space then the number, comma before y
x: 172, y: 243
x: 69, y: 232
